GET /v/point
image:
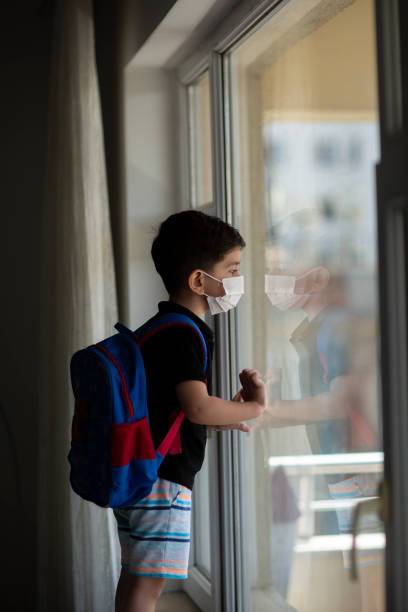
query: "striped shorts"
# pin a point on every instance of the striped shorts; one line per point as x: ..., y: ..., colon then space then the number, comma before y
x: 154, y: 534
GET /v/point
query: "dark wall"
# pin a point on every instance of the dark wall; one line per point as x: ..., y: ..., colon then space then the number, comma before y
x: 26, y: 51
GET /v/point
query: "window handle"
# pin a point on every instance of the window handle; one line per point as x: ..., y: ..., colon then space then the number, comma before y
x: 378, y: 505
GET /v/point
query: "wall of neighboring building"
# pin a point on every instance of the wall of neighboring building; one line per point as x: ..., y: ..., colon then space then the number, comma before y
x: 26, y: 34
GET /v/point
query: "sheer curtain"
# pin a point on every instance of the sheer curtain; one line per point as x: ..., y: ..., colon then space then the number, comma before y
x: 77, y: 541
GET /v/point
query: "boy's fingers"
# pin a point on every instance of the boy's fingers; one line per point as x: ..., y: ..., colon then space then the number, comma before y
x: 256, y: 379
x: 248, y: 372
x: 238, y: 396
x: 251, y: 376
x: 244, y: 377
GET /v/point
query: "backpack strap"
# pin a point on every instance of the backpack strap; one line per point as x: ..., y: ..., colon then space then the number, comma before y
x: 147, y: 331
x: 166, y: 321
x: 156, y: 325
x: 169, y: 439
x: 124, y: 330
x: 171, y: 443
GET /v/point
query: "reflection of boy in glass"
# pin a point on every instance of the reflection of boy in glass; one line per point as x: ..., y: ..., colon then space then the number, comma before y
x: 308, y: 259
x: 301, y: 260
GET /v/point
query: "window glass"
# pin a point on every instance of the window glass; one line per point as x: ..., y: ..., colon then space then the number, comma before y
x: 200, y: 556
x: 304, y: 128
x: 201, y: 193
x: 201, y: 518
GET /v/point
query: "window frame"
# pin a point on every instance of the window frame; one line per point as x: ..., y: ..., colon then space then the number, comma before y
x: 205, y: 592
x: 392, y: 209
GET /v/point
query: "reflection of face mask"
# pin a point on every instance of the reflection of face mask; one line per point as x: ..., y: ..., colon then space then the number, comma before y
x: 281, y: 292
x: 234, y: 289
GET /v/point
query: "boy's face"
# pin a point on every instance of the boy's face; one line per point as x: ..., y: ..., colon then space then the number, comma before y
x: 311, y: 278
x: 228, y: 266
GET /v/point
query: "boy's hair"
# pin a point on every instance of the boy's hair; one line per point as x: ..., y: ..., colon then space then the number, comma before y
x: 189, y: 240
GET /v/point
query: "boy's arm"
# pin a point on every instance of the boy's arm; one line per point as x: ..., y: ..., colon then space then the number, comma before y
x: 332, y: 405
x: 203, y: 409
x: 245, y: 427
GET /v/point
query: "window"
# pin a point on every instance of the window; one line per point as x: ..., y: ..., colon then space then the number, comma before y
x: 295, y: 141
x: 304, y: 107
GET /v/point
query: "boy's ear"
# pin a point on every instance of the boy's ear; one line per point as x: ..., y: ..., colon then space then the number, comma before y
x: 196, y: 282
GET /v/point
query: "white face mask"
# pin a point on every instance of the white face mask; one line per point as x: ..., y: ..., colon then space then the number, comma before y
x: 281, y: 292
x: 234, y: 290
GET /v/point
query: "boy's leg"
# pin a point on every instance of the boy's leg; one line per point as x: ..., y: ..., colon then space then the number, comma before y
x: 138, y: 593
x: 121, y: 590
x: 154, y: 536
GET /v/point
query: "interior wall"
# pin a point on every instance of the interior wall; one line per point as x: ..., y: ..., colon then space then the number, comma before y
x: 151, y: 179
x: 138, y: 20
x: 26, y: 52
x: 121, y: 28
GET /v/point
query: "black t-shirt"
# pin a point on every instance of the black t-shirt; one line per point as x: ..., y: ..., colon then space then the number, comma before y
x: 172, y: 356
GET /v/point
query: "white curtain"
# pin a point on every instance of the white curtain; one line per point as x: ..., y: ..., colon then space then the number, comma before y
x: 77, y: 541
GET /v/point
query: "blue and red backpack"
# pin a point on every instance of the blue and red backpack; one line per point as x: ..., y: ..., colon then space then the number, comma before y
x: 113, y: 459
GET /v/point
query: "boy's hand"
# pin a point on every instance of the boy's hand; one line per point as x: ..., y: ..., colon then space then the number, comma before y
x: 238, y: 397
x: 253, y: 387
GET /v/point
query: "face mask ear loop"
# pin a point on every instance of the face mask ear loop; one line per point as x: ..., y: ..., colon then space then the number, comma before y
x: 213, y: 277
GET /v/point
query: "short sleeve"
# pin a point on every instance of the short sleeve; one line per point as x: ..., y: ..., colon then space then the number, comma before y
x: 185, y: 355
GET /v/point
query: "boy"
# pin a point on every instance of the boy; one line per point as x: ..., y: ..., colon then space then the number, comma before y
x: 198, y: 259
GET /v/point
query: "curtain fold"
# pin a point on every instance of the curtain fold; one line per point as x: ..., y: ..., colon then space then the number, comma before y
x: 77, y: 541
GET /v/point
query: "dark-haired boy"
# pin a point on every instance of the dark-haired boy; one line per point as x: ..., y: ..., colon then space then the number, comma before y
x: 198, y: 259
